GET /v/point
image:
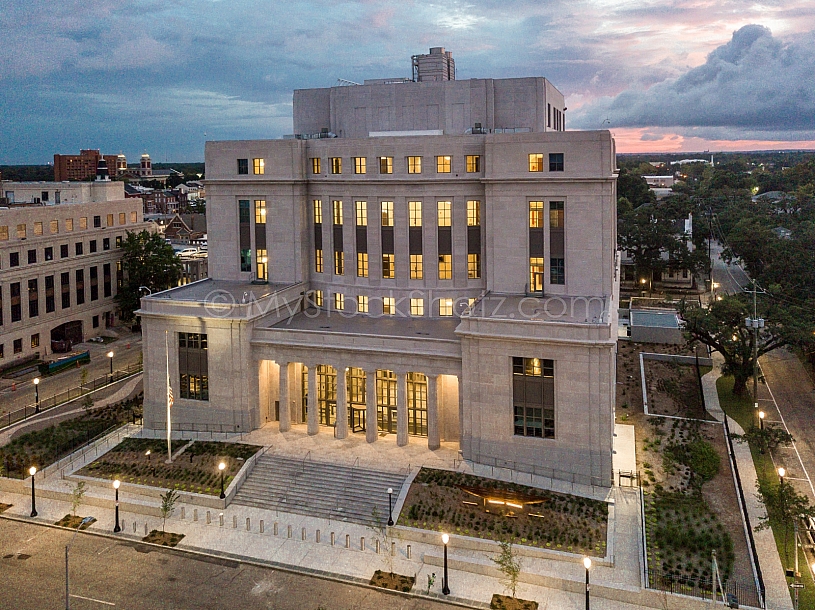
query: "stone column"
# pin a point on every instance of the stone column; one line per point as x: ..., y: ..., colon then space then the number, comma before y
x: 313, y: 425
x: 283, y: 397
x: 342, y: 402
x: 371, y: 426
x: 401, y: 410
x: 433, y: 440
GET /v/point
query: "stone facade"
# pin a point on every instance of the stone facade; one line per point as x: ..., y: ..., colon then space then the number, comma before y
x: 438, y: 293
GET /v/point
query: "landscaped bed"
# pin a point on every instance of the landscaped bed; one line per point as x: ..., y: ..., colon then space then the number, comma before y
x: 76, y: 522
x: 163, y: 538
x: 673, y: 389
x: 44, y: 447
x: 195, y: 470
x: 394, y: 582
x: 468, y: 505
x: 504, y: 602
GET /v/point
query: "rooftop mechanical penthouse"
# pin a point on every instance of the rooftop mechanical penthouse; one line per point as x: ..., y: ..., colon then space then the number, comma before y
x: 433, y: 259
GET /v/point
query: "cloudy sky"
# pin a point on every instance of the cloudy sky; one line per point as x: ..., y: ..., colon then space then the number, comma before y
x: 162, y: 77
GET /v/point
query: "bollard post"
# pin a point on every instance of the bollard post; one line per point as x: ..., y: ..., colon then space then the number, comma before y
x: 393, y: 549
x: 274, y: 528
x: 145, y: 529
x: 347, y: 541
x: 221, y: 519
x: 182, y: 513
x: 247, y: 524
x: 377, y: 546
x: 408, y: 551
x: 332, y: 538
x: 288, y: 531
x: 195, y: 514
x: 362, y: 543
x: 303, y: 534
x: 235, y: 521
x: 209, y: 518
x: 134, y: 527
x: 317, y: 536
x: 261, y: 526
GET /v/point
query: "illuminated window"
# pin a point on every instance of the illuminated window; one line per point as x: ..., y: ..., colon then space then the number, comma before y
x: 360, y: 165
x: 53, y: 226
x: 387, y: 213
x: 445, y: 266
x: 536, y: 274
x: 37, y: 228
x: 388, y: 270
x: 258, y: 166
x: 417, y: 307
x: 336, y: 207
x: 83, y: 223
x: 339, y: 263
x: 336, y: 165
x: 318, y: 260
x: 533, y: 397
x: 362, y: 213
x: 473, y: 213
x: 69, y: 224
x: 262, y: 264
x: 362, y: 264
x: 362, y: 304
x: 385, y: 165
x: 443, y: 163
x: 444, y: 213
x: 555, y: 162
x: 318, y: 298
x: 21, y: 230
x: 536, y: 162
x: 339, y: 301
x: 4, y: 233
x: 473, y: 266
x: 122, y: 218
x: 415, y: 213
x: 260, y: 212
x: 318, y: 212
x: 316, y: 166
x: 416, y: 271
x: 110, y: 220
x: 389, y: 306
x: 445, y: 307
x: 536, y: 214
x: 414, y: 165
x: 133, y: 218
x: 473, y: 164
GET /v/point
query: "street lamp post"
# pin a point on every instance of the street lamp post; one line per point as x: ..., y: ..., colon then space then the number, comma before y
x: 761, y: 416
x: 36, y: 394
x: 117, y: 528
x: 781, y: 474
x: 110, y: 355
x: 390, y: 506
x: 221, y: 467
x: 32, y: 471
x: 587, y: 565
x: 67, y: 546
x: 445, y: 585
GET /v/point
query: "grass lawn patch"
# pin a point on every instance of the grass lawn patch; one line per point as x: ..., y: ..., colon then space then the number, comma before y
x: 195, y: 470
x: 394, y: 582
x: 163, y: 538
x: 74, y: 522
x: 468, y: 505
x: 504, y: 602
x: 42, y: 448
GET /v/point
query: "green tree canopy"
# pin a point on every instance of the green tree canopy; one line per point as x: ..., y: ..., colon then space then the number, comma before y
x: 147, y: 260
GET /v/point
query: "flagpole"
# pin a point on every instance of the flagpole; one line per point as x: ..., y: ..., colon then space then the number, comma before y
x: 169, y: 400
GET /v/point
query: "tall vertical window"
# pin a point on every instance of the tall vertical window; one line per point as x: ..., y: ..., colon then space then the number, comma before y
x: 336, y: 165
x: 33, y: 299
x: 109, y: 220
x: 473, y: 164
x: 80, y: 286
x: 258, y: 166
x: 385, y: 165
x: 362, y: 304
x: 473, y: 213
x: 318, y: 260
x: 83, y: 223
x: 360, y: 165
x: 445, y: 307
x: 389, y: 306
x: 533, y: 397
x: 444, y: 208
x: 339, y: 301
x: 417, y: 307
x: 362, y: 213
x: 388, y: 266
x: 63, y: 251
x: 54, y: 226
x: 415, y: 213
x: 555, y: 162
x: 260, y: 211
x: 443, y: 164
x: 106, y: 278
x: 445, y: 266
x: 65, y: 289
x: 416, y: 267
x: 262, y: 264
x: 473, y: 266
x: 4, y: 233
x: 557, y: 261
x: 536, y: 214
x: 414, y: 165
x: 536, y: 273
x: 362, y: 264
x: 16, y: 302
x: 316, y: 166
x: 318, y: 211
x: 339, y: 263
x: 193, y: 366
x: 536, y: 162
x: 244, y: 228
x: 94, y: 277
x: 387, y: 213
x: 243, y: 166
x: 318, y: 298
x: 69, y: 224
x: 336, y: 207
x: 417, y: 403
x: 122, y: 218
x: 50, y: 305
x: 38, y: 228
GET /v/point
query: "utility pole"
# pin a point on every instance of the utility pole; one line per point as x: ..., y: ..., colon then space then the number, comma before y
x: 755, y: 323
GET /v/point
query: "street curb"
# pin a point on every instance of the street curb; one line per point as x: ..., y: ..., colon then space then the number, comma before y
x: 261, y: 563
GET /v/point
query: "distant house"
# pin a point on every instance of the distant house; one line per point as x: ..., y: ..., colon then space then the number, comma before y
x: 783, y: 233
x: 186, y: 228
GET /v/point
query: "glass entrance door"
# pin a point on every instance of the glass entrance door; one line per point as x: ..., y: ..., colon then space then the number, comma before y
x: 327, y: 394
x: 386, y: 400
x: 355, y: 381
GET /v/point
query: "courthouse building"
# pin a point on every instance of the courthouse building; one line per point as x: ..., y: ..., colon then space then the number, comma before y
x: 429, y: 258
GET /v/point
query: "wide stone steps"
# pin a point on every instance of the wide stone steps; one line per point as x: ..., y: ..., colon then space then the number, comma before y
x: 319, y: 489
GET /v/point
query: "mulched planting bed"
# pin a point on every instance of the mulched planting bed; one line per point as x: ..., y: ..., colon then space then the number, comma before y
x: 5, y: 507
x: 468, y: 505
x: 195, y: 470
x: 75, y: 521
x: 673, y: 389
x: 503, y: 602
x: 44, y: 447
x: 163, y: 538
x: 394, y: 582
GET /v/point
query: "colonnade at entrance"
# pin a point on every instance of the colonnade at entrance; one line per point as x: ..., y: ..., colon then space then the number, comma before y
x: 357, y: 400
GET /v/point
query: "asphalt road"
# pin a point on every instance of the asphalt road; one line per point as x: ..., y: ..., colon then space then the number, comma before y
x: 110, y: 573
x: 731, y: 278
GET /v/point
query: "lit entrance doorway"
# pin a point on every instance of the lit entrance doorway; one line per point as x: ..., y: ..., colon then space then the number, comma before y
x: 355, y: 381
x: 304, y: 391
x: 386, y: 401
x: 417, y: 404
x: 327, y: 394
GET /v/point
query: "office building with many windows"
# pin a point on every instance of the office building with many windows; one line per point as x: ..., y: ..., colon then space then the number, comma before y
x: 434, y: 260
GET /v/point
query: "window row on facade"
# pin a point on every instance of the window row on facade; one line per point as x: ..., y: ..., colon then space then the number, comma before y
x: 38, y: 228
x: 49, y: 253
x: 390, y: 305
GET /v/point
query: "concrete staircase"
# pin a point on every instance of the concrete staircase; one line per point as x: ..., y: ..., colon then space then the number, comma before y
x: 317, y: 489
